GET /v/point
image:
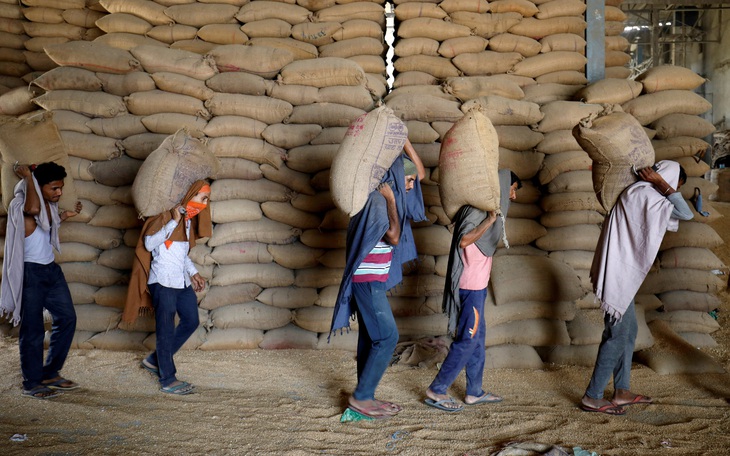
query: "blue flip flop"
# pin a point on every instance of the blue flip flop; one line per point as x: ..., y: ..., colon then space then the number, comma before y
x: 149, y: 367
x: 182, y: 389
x: 441, y: 405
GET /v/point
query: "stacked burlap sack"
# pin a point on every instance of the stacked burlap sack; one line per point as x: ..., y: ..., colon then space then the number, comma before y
x: 26, y: 29
x: 617, y: 58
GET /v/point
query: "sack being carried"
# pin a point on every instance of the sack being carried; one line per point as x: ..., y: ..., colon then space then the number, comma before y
x: 33, y: 141
x: 169, y: 171
x: 469, y: 165
x: 372, y: 143
x: 618, y: 145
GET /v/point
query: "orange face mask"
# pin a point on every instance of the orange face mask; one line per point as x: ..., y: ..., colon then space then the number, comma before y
x: 193, y: 208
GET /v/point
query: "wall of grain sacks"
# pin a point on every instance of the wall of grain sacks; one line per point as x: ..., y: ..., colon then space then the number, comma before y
x: 271, y: 88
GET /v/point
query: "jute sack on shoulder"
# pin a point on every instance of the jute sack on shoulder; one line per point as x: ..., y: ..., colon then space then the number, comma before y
x: 372, y: 143
x: 616, y: 142
x: 169, y: 171
x: 468, y: 164
x: 33, y: 141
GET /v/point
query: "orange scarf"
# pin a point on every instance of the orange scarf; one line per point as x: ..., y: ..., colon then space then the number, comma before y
x: 139, y: 301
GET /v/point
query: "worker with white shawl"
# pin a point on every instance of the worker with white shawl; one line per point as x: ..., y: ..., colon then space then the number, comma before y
x: 32, y: 281
x: 626, y: 249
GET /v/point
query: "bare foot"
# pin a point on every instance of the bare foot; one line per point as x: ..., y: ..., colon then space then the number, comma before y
x: 624, y: 397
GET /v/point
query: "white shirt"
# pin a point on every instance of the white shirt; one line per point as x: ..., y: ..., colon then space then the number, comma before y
x: 171, y: 268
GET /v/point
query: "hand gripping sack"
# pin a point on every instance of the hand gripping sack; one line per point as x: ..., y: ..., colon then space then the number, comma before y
x: 469, y: 165
x: 617, y: 144
x: 372, y: 143
x: 169, y: 171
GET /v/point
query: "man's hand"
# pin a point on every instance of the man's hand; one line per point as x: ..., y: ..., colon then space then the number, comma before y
x: 22, y: 171
x: 198, y: 283
x: 386, y: 191
x: 68, y: 214
x: 654, y: 178
x: 176, y: 215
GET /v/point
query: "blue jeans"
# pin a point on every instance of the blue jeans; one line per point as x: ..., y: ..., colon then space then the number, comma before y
x: 44, y: 286
x: 168, y: 302
x: 614, y: 354
x: 467, y: 349
x: 377, y: 337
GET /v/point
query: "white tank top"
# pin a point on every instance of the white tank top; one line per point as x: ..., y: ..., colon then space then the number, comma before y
x: 38, y: 247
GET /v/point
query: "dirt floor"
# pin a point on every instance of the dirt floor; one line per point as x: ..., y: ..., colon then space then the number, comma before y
x: 290, y: 402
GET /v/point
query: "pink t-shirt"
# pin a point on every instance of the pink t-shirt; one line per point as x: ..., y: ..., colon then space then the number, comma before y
x: 477, y: 268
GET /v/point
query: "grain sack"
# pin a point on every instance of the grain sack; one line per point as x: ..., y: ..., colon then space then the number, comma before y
x: 535, y: 332
x: 263, y: 61
x: 650, y: 107
x: 260, y: 10
x: 156, y: 59
x: 233, y: 339
x: 672, y: 355
x: 318, y: 277
x: 284, y: 212
x: 525, y: 164
x: 425, y: 108
x: 410, y: 78
x: 33, y: 141
x: 573, y: 201
x: 169, y: 171
x: 558, y: 141
x: 68, y: 78
x: 563, y: 162
x: 681, y: 146
x: 93, y: 56
x: 333, y: 239
x: 572, y: 181
x: 232, y: 294
x: 373, y: 142
x: 91, y: 146
x: 511, y: 356
x: 200, y: 14
x: 240, y: 252
x: 669, y: 77
x: 428, y: 27
x: 234, y: 126
x: 260, y: 190
x: 120, y: 257
x: 504, y: 111
x: 140, y: 146
x: 689, y: 300
x: 295, y: 256
x: 125, y: 23
x: 518, y: 137
x: 539, y: 28
x: 609, y: 91
x: 575, y: 355
x: 548, y: 92
x: 674, y: 125
x: 126, y: 84
x: 288, y: 297
x: 563, y: 42
x: 76, y: 251
x: 694, y: 166
x: 690, y: 257
x: 682, y: 279
x: 567, y: 77
x: 453, y: 46
x: 687, y: 321
x: 486, y: 62
x: 263, y: 275
x: 546, y: 63
x: 549, y: 280
x: 507, y: 42
x: 264, y: 230
x: 316, y: 33
x: 581, y: 237
x: 616, y: 143
x: 406, y: 11
x: 256, y: 150
x: 496, y: 315
x: 560, y: 8
x: 252, y: 315
x: 239, y: 168
x: 150, y: 11
x: 100, y: 237
x: 322, y: 72
x: 91, y: 274
x: 525, y: 7
x: 261, y: 108
x: 312, y: 159
x: 486, y: 25
x: 289, y: 337
x: 118, y: 127
x: 222, y: 34
x: 438, y: 67
x: 92, y: 104
x: 18, y: 101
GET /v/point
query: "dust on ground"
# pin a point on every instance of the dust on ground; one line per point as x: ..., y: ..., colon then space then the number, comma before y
x: 290, y: 401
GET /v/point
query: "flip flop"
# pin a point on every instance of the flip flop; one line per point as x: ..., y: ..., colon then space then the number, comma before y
x: 441, y: 404
x: 149, y: 367
x: 40, y: 392
x: 638, y: 399
x: 182, y: 389
x: 379, y: 412
x: 608, y: 409
x: 61, y: 384
x: 486, y: 398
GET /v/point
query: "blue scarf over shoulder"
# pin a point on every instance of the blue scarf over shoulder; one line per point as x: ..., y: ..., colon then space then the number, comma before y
x: 367, y: 227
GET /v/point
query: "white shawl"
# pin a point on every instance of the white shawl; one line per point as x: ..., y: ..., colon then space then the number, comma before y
x: 630, y: 241
x: 11, y: 288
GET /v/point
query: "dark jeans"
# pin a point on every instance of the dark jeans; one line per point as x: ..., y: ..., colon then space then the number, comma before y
x: 467, y: 349
x: 377, y: 337
x: 44, y: 286
x: 614, y: 354
x: 168, y: 302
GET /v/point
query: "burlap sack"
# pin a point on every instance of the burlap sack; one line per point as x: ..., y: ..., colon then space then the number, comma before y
x: 33, y: 141
x: 616, y: 143
x: 373, y: 142
x: 468, y: 164
x: 168, y: 172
